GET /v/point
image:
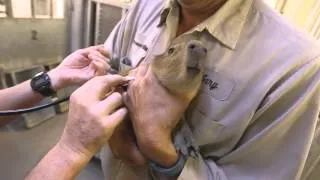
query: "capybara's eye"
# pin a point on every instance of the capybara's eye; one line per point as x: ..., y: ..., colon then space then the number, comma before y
x: 192, y: 46
x: 170, y: 50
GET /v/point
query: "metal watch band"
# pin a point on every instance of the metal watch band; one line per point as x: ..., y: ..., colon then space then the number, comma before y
x: 175, y: 170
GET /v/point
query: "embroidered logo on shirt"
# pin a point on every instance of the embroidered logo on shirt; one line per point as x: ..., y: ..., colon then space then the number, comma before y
x: 217, y: 85
x: 209, y: 82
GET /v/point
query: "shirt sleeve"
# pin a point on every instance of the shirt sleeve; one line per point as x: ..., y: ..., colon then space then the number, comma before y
x: 118, y: 41
x: 280, y: 139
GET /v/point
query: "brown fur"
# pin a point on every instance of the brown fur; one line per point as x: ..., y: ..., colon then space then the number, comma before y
x: 180, y: 69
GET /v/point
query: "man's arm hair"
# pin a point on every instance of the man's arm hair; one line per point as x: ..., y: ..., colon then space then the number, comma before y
x: 59, y: 163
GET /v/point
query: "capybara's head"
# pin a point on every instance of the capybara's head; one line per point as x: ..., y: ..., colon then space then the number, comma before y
x: 180, y: 69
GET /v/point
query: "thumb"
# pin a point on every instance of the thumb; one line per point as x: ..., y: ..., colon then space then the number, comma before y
x: 100, y: 67
x: 103, y: 51
x: 99, y: 86
x: 112, y: 121
x: 126, y: 99
x: 142, y: 69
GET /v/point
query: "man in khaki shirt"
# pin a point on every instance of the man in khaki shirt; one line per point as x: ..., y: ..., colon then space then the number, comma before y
x: 256, y: 114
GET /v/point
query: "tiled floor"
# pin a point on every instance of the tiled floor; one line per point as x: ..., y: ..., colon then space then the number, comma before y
x: 21, y: 149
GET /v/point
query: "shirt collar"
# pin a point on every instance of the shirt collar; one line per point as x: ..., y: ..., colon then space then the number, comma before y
x: 168, y: 6
x: 225, y: 25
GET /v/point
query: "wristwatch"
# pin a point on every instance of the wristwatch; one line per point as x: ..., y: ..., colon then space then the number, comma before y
x: 41, y: 83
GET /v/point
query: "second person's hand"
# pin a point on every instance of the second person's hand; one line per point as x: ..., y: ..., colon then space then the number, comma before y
x: 93, y: 116
x: 79, y: 67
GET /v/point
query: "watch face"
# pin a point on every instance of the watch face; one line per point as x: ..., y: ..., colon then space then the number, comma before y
x: 41, y: 84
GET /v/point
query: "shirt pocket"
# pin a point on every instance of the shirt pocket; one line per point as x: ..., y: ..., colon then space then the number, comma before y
x: 217, y: 85
x: 204, y: 129
x: 139, y: 49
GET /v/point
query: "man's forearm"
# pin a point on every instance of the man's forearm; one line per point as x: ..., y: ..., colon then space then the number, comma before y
x: 19, y: 96
x: 22, y: 96
x: 59, y: 163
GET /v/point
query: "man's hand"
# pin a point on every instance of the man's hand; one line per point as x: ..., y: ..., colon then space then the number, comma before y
x: 154, y: 113
x: 123, y: 144
x: 95, y: 111
x: 123, y: 141
x: 80, y: 66
x: 93, y: 116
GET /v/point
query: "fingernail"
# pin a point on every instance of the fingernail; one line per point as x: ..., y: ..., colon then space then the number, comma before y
x: 129, y: 78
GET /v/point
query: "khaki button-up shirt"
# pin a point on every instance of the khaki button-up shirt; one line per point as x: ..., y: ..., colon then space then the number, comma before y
x: 256, y: 115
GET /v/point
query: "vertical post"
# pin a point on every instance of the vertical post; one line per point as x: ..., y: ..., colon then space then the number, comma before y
x: 67, y: 17
x: 89, y: 10
x: 77, y: 25
x: 8, y: 5
x: 97, y: 24
x: 51, y: 9
x: 33, y: 13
